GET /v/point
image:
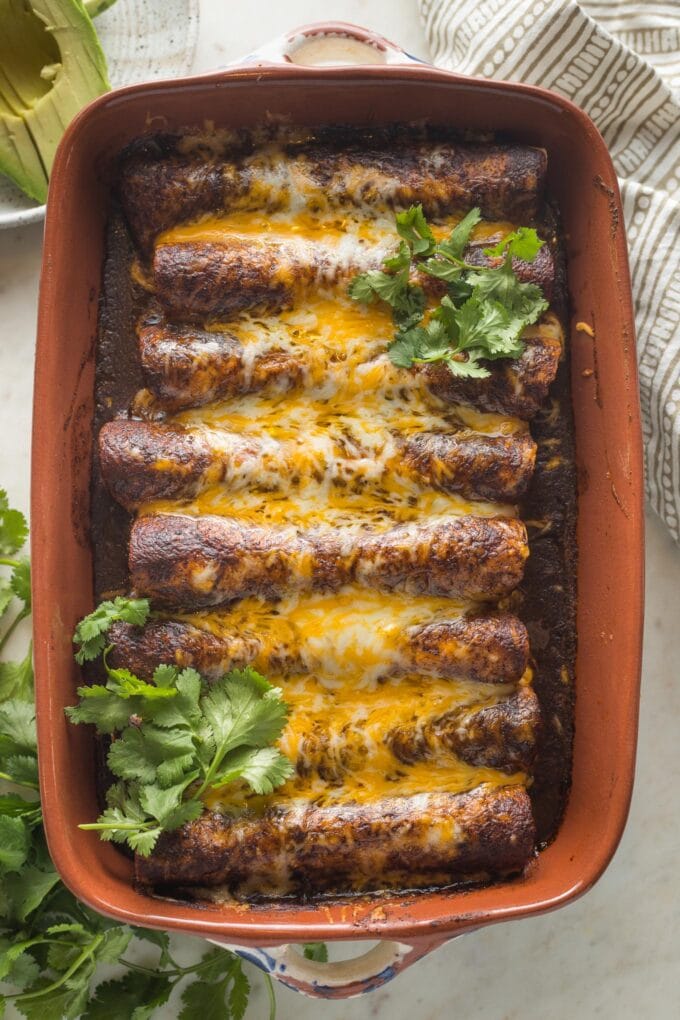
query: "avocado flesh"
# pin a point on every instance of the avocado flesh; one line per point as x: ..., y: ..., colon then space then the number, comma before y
x: 51, y: 65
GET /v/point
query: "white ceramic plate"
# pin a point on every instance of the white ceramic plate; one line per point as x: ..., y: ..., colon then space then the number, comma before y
x: 142, y: 40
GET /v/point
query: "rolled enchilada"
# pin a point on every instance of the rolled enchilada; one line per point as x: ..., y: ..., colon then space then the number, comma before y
x: 186, y: 561
x: 505, y: 181
x: 186, y: 366
x: 428, y: 839
x: 403, y: 638
x: 224, y: 275
x: 142, y: 461
x: 500, y: 735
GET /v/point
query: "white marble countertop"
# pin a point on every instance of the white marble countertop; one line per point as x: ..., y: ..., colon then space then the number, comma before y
x: 614, y: 953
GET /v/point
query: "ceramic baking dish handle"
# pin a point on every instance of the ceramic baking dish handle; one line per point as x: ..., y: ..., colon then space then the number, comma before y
x: 341, y: 979
x: 330, y: 44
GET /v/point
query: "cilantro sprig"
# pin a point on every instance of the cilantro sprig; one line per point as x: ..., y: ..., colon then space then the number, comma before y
x: 485, y: 309
x: 52, y: 946
x: 16, y: 678
x: 176, y: 738
x: 91, y: 631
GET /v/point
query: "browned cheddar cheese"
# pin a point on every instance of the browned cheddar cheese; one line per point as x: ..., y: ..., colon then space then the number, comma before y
x: 501, y: 735
x: 489, y: 649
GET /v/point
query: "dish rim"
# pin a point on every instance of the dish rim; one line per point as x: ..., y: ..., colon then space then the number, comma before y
x: 413, y: 916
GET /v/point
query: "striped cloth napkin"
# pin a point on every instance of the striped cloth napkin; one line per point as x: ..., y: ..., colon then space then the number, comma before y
x: 620, y: 62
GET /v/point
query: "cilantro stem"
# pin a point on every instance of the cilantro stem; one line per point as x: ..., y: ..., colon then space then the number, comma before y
x: 22, y: 614
x: 428, y: 359
x: 19, y: 782
x: 5, y: 561
x: 147, y: 970
x: 132, y: 826
x: 179, y: 972
x: 77, y: 963
x: 269, y: 984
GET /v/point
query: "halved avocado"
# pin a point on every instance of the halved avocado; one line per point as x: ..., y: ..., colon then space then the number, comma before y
x: 51, y: 65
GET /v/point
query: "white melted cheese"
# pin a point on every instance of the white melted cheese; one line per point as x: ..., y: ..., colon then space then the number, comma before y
x: 354, y: 636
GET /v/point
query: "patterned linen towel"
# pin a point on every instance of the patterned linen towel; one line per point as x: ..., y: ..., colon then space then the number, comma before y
x: 620, y: 62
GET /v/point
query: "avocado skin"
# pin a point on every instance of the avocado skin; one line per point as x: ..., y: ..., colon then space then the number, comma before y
x: 51, y: 65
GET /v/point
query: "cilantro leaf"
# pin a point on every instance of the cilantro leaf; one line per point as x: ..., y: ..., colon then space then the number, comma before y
x: 20, y: 582
x: 446, y: 263
x: 17, y: 728
x: 125, y: 821
x: 523, y: 243
x: 17, y: 966
x: 524, y: 302
x: 110, y: 707
x: 6, y: 595
x: 366, y: 287
x: 240, y: 991
x: 161, y: 939
x: 13, y: 527
x: 479, y: 323
x: 263, y: 768
x: 90, y: 633
x: 23, y: 769
x: 459, y: 238
x: 409, y: 308
x: 65, y: 1001
x: 400, y: 260
x: 140, y: 750
x: 114, y: 942
x: 166, y: 676
x: 244, y: 709
x: 136, y: 995
x: 414, y: 228
x: 28, y: 889
x: 469, y: 367
x: 406, y: 300
x: 221, y: 992
x: 182, y: 738
x: 421, y: 345
x: 14, y: 806
x: 204, y: 999
x: 316, y: 951
x: 441, y: 270
x: 404, y: 351
x: 126, y: 685
x: 100, y: 707
x: 15, y: 841
x: 16, y: 678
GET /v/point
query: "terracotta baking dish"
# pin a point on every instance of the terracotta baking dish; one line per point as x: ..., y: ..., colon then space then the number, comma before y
x: 610, y: 524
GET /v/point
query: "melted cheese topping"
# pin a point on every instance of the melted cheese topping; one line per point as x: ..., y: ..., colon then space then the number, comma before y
x: 319, y: 227
x: 332, y: 454
x: 348, y: 639
x: 326, y: 505
x: 337, y: 731
x: 354, y: 407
